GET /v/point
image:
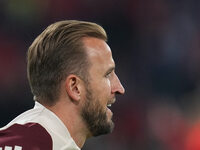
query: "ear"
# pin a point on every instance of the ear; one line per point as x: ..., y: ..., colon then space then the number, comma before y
x: 73, y: 87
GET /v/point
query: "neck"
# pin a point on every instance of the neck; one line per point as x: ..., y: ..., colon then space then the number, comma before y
x: 70, y: 116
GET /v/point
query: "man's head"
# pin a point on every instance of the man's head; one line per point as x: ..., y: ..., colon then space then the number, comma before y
x: 75, y: 53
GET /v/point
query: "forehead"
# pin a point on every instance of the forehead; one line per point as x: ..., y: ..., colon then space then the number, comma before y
x: 95, y: 45
x: 98, y: 52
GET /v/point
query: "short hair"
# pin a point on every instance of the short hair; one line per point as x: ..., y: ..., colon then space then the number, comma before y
x: 57, y: 52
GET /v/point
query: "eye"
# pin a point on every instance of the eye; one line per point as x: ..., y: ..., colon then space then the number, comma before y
x: 110, y: 72
x: 108, y: 75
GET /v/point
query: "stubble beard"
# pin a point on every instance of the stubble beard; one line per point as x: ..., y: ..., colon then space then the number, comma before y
x: 95, y: 116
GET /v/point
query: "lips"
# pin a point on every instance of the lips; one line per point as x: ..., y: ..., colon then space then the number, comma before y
x: 109, y: 112
x: 109, y: 104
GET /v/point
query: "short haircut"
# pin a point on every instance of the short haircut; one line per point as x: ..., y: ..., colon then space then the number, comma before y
x: 56, y: 53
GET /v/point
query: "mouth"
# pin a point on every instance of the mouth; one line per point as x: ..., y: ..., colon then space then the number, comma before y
x: 109, y: 105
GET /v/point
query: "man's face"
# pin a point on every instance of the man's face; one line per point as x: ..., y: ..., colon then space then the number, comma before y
x: 102, y: 87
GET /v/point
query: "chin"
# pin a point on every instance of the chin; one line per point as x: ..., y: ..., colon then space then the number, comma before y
x: 106, y: 129
x: 98, y: 120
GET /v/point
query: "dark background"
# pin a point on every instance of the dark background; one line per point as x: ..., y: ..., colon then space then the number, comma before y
x: 156, y: 47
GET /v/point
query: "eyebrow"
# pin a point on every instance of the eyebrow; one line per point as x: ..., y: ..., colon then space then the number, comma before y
x: 110, y: 69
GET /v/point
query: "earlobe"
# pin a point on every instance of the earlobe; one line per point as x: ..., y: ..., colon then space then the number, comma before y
x: 72, y: 85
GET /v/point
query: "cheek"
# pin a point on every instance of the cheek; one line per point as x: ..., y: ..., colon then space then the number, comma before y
x: 103, y: 88
x: 107, y: 85
x: 106, y: 93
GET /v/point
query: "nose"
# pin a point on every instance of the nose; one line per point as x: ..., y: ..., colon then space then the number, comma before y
x: 117, y: 86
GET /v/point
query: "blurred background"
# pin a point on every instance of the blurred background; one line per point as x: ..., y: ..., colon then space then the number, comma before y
x: 156, y: 47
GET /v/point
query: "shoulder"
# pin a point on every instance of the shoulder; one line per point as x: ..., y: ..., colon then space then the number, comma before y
x: 27, y: 137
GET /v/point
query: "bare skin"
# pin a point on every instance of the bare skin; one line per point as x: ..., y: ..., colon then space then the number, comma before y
x: 104, y: 83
